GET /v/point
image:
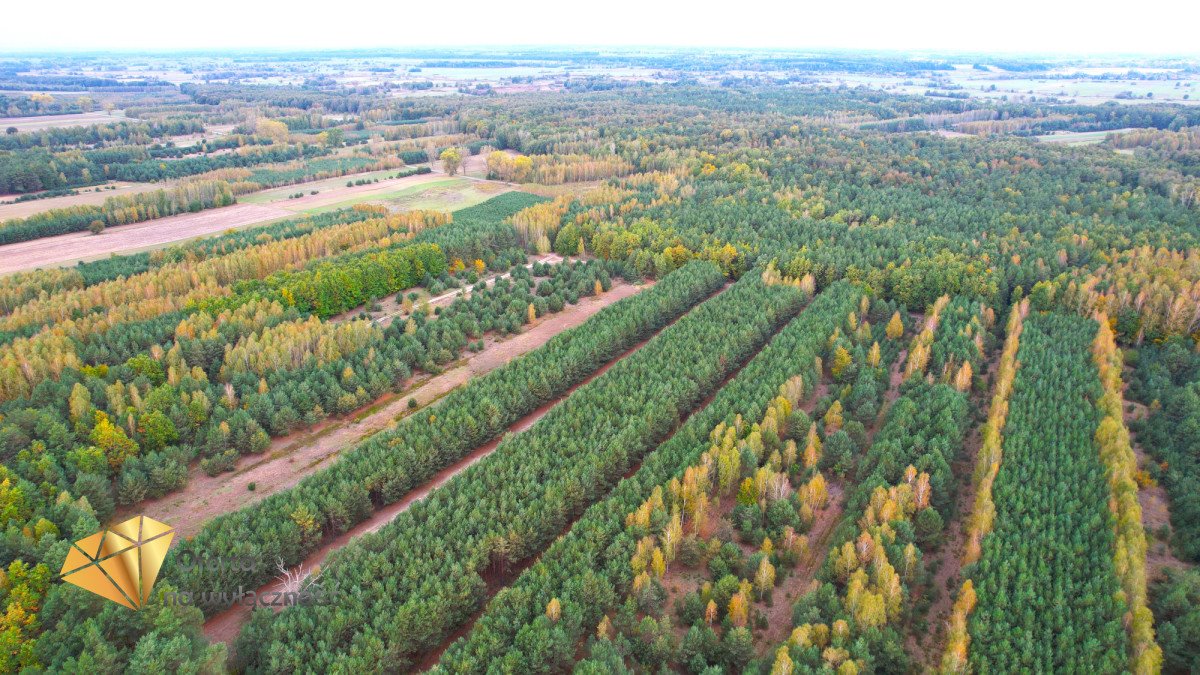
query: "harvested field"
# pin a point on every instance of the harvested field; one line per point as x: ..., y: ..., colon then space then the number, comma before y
x: 91, y: 196
x: 69, y: 248
x: 427, y: 191
x: 39, y: 122
x: 326, y: 187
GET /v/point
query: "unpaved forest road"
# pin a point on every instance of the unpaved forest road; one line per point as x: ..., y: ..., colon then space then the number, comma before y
x: 225, y: 626
x: 291, y: 458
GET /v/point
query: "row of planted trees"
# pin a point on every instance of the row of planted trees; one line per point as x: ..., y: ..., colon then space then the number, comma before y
x: 1047, y: 567
x: 739, y: 523
x: 138, y: 400
x: 1126, y: 556
x: 587, y: 574
x: 509, y: 505
x: 903, y: 494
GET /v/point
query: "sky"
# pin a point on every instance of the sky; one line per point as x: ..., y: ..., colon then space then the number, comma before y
x: 1012, y: 26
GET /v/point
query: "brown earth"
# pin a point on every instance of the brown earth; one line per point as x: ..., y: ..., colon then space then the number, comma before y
x: 1156, y: 510
x: 393, y: 311
x: 927, y: 648
x: 225, y: 626
x: 68, y: 248
x: 89, y: 196
x: 289, y: 459
x: 40, y: 122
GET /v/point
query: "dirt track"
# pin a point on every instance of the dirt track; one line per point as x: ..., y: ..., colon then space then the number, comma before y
x: 224, y: 627
x: 68, y: 248
x: 290, y: 459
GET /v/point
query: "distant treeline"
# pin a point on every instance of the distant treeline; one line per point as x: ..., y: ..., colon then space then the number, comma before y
x: 100, y: 134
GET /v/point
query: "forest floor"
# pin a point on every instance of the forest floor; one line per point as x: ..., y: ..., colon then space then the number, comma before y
x: 225, y: 626
x: 926, y: 646
x: 291, y: 458
x: 1156, y: 512
x: 393, y: 311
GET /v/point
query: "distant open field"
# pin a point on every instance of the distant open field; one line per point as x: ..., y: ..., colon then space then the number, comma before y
x: 332, y: 190
x: 86, y: 196
x: 326, y: 187
x: 53, y: 121
x: 1021, y: 87
x: 1078, y: 137
x: 433, y: 191
x: 68, y: 248
x: 428, y: 191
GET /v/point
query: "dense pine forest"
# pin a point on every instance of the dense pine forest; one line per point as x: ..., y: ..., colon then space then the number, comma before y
x: 712, y: 375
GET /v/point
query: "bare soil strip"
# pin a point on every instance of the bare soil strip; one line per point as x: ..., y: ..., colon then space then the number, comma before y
x: 290, y: 459
x: 393, y: 311
x: 68, y: 248
x: 926, y: 647
x: 225, y: 626
x: 1156, y: 506
x: 88, y: 196
x: 40, y: 122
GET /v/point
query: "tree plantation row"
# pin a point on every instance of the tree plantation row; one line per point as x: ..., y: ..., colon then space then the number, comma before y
x: 228, y: 380
x: 870, y: 416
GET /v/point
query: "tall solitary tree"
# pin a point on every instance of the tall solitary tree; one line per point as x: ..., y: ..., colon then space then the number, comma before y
x: 451, y: 160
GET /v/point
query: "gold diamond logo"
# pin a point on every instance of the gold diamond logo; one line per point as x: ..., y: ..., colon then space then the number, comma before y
x: 120, y: 563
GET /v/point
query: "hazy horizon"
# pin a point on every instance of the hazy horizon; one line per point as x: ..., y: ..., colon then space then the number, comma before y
x: 1023, y: 27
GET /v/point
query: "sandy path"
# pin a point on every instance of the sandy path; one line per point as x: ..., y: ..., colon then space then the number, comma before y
x: 927, y: 648
x: 291, y: 458
x: 225, y: 626
x: 51, y: 251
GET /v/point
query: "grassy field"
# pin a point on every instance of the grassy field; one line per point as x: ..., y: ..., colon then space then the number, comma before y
x: 1077, y: 137
x: 324, y: 185
x: 447, y: 194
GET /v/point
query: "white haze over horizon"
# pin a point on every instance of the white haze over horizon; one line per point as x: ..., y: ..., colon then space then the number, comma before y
x: 1074, y: 27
